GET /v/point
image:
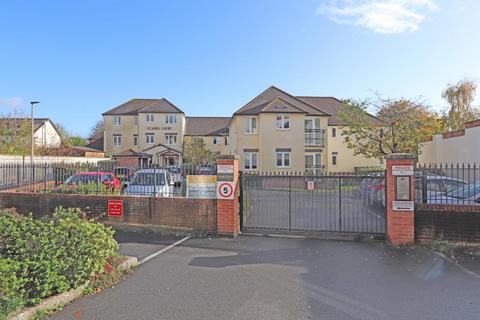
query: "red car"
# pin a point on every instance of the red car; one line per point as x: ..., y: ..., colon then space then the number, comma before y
x: 108, y: 179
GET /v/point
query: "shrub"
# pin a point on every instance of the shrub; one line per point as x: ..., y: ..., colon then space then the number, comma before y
x: 52, y: 256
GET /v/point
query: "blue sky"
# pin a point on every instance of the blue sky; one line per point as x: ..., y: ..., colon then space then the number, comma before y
x: 81, y: 58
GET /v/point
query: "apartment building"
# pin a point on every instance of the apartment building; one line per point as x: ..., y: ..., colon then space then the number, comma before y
x: 213, y: 131
x: 274, y: 132
x: 279, y: 132
x: 149, y: 129
x: 339, y: 157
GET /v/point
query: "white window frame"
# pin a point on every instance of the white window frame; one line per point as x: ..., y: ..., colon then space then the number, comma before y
x: 149, y: 117
x: 281, y: 121
x: 250, y: 156
x: 117, y: 121
x: 217, y: 140
x: 171, y: 118
x: 249, y: 129
x: 171, y: 139
x: 316, y: 123
x: 135, y: 139
x: 147, y: 136
x: 117, y: 140
x: 283, y: 155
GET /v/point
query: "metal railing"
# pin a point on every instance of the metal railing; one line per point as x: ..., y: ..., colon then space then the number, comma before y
x: 314, y: 203
x: 456, y: 184
x: 103, y: 178
x: 314, y: 169
x: 315, y: 137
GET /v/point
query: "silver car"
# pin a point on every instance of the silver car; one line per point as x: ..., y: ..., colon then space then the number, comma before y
x: 468, y: 194
x: 150, y: 182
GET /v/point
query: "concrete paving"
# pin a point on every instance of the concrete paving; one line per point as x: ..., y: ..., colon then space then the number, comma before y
x: 278, y: 278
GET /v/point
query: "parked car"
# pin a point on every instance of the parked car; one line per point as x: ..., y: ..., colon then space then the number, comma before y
x: 436, y: 186
x: 469, y: 194
x: 150, y: 182
x: 124, y: 173
x: 107, y: 179
x: 206, y: 169
x: 176, y: 174
x: 372, y: 190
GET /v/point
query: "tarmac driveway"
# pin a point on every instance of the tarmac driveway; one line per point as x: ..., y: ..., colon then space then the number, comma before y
x: 280, y: 278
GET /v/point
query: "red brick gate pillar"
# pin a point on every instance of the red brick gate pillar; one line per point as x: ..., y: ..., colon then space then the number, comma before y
x: 400, y: 193
x: 227, y: 196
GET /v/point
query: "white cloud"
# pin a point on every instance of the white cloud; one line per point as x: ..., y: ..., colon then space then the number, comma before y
x: 11, y: 102
x: 381, y: 16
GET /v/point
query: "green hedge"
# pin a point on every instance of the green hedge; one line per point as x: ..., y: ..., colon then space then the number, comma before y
x: 42, y: 258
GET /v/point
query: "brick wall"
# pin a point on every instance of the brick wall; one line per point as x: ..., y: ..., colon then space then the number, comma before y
x: 447, y: 222
x: 196, y: 214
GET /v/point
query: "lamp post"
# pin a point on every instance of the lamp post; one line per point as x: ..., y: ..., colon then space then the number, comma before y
x: 33, y: 103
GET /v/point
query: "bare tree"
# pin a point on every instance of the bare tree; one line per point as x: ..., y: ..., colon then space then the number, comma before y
x: 97, y: 129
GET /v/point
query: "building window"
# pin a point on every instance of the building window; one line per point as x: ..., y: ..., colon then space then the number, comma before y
x: 117, y: 120
x: 216, y: 140
x: 251, y: 126
x: 226, y: 141
x: 149, y: 117
x: 149, y: 138
x: 135, y: 139
x: 334, y: 132
x: 251, y: 160
x: 334, y: 158
x: 283, y: 159
x: 171, y: 118
x: 135, y: 121
x: 283, y: 122
x: 312, y: 124
x: 171, y: 139
x: 117, y: 140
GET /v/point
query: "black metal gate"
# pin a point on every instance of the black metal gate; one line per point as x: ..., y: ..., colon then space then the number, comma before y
x: 331, y: 203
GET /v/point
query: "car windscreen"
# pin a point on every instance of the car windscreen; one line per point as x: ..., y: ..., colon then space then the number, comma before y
x: 81, y: 178
x: 466, y: 191
x: 148, y: 179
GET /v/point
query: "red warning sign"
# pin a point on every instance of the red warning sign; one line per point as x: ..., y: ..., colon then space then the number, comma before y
x: 115, y: 208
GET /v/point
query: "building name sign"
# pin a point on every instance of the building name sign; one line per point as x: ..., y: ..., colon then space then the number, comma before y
x: 224, y: 172
x: 202, y: 187
x: 159, y: 129
x: 406, y: 170
x: 403, y: 206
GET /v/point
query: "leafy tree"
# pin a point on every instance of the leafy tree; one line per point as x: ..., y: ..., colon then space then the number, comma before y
x: 460, y: 97
x: 399, y: 126
x: 194, y: 151
x: 69, y: 139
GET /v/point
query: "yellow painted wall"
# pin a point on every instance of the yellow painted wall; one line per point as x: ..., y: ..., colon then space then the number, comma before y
x: 346, y: 160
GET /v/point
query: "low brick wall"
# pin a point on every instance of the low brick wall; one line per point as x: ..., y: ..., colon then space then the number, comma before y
x: 447, y: 222
x: 195, y: 214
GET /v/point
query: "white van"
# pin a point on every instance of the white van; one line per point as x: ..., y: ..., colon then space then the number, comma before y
x: 150, y: 182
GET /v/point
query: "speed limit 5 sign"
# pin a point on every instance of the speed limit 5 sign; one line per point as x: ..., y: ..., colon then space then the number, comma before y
x: 225, y: 190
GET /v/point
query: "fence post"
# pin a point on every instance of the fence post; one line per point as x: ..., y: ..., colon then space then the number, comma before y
x: 45, y: 178
x: 340, y: 202
x: 400, y: 203
x: 289, y: 203
x: 97, y: 180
